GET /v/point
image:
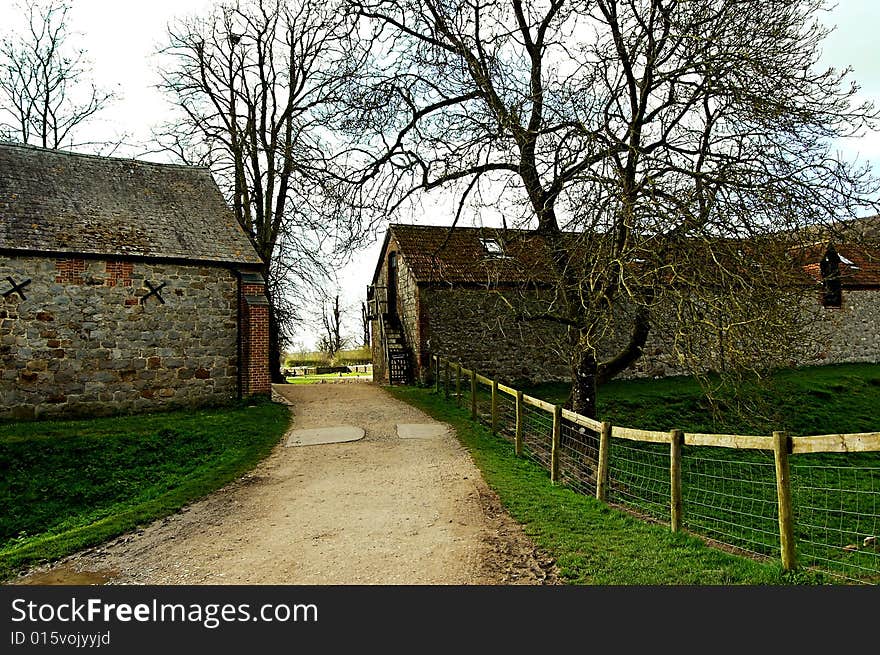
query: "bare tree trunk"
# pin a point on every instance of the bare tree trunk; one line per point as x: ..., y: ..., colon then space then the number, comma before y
x: 274, y: 347
x: 583, y: 383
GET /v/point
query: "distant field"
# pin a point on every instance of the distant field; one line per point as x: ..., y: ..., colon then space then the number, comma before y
x: 328, y: 377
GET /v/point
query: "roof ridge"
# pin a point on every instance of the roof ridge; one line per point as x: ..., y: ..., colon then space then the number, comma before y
x: 461, y: 227
x: 71, y: 153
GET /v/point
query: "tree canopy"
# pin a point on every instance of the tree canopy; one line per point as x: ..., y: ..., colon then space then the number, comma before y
x: 687, y: 144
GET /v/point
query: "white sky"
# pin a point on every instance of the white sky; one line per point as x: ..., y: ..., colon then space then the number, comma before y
x: 122, y: 37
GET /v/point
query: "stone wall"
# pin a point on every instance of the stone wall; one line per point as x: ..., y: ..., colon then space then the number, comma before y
x: 851, y: 332
x: 86, y: 339
x: 476, y: 328
x: 473, y: 327
x: 408, y: 311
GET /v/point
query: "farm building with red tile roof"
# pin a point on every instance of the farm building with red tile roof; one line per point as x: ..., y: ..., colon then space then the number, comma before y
x: 442, y: 291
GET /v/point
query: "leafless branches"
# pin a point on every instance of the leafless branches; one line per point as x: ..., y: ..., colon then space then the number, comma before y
x: 332, y: 340
x: 669, y: 153
x: 44, y: 92
x: 256, y: 83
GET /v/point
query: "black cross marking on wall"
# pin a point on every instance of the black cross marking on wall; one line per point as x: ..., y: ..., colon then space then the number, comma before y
x: 16, y: 288
x: 154, y: 291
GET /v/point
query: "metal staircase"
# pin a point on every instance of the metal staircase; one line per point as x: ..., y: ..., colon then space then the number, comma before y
x: 398, y: 355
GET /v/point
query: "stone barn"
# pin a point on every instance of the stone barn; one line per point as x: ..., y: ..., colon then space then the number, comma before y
x: 125, y: 286
x: 437, y: 291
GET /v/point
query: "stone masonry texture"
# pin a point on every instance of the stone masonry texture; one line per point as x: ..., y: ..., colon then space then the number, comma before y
x: 472, y: 326
x: 87, y: 339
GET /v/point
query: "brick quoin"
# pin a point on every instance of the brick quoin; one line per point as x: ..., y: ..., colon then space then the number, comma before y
x: 254, y: 337
x: 258, y: 360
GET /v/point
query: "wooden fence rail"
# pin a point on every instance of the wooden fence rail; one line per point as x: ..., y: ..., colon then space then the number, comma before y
x: 781, y: 445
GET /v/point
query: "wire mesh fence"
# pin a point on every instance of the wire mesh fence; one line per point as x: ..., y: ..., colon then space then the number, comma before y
x: 730, y: 496
x: 537, y: 434
x: 639, y: 477
x: 837, y: 505
x: 484, y: 404
x: 506, y: 408
x: 728, y: 493
x: 578, y: 457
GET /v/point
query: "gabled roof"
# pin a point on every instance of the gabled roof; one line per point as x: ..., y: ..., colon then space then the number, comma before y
x: 61, y: 202
x: 439, y: 254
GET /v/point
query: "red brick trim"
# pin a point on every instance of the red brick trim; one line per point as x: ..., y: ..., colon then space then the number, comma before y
x: 70, y: 270
x: 254, y: 339
x: 118, y: 273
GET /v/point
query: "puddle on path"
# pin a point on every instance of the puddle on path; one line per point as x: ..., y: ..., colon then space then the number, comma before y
x: 65, y: 574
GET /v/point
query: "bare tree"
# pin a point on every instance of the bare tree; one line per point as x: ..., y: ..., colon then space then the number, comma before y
x: 332, y: 340
x: 45, y: 96
x: 365, y: 327
x: 255, y: 83
x: 665, y: 154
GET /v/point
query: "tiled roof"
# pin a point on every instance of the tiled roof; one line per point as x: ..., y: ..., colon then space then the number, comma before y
x: 859, y: 267
x: 440, y: 254
x: 458, y: 256
x: 61, y: 202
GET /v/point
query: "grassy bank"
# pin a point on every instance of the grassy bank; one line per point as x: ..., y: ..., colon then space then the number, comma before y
x: 592, y: 542
x: 814, y: 400
x: 66, y: 485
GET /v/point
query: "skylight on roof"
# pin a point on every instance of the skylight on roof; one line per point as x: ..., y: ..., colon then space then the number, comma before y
x: 849, y: 263
x: 492, y: 247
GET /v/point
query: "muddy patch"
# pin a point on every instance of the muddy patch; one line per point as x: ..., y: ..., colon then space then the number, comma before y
x: 67, y: 574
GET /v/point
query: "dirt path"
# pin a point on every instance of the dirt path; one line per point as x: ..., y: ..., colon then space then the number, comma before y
x: 382, y: 510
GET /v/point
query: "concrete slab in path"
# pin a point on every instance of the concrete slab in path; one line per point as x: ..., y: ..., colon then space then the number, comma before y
x: 319, y: 436
x: 421, y: 430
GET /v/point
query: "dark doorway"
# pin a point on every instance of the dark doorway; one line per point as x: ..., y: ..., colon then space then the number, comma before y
x: 392, y: 284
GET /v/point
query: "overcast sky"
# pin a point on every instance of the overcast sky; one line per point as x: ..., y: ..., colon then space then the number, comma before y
x: 122, y: 37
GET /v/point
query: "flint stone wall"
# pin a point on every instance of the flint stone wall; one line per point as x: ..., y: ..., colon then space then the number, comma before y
x: 86, y: 341
x: 473, y: 327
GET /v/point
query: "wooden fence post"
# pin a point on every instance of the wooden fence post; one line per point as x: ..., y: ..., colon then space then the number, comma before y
x: 517, y: 440
x: 473, y: 395
x: 781, y: 444
x: 446, y: 379
x: 602, y: 469
x: 458, y: 384
x: 676, y: 439
x: 437, y: 372
x: 494, y: 406
x: 554, y: 449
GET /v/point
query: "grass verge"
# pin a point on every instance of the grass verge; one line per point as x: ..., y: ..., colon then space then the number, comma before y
x: 594, y: 543
x: 67, y: 485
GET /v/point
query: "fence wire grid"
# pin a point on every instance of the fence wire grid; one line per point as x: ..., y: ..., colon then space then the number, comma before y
x: 727, y: 495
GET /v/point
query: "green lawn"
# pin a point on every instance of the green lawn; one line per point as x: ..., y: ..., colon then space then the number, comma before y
x: 66, y: 485
x: 326, y: 377
x: 729, y: 495
x: 812, y: 400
